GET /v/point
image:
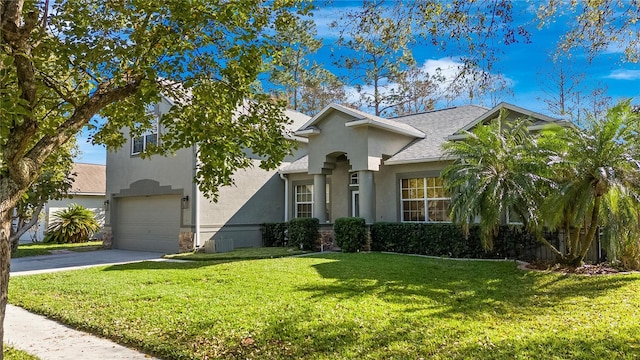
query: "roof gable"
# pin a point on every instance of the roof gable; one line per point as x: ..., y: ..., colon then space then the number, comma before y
x: 495, y: 111
x: 361, y: 119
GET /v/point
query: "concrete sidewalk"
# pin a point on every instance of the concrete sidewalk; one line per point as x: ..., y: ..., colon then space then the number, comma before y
x: 50, y: 340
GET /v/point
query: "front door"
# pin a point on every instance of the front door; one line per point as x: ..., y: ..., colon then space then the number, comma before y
x: 355, y: 203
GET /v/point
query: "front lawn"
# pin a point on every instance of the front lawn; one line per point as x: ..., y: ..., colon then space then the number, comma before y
x: 345, y: 306
x: 240, y: 254
x: 15, y: 354
x: 35, y: 249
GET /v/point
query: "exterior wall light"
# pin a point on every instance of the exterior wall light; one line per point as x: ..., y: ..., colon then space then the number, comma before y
x: 106, y: 205
x: 185, y: 202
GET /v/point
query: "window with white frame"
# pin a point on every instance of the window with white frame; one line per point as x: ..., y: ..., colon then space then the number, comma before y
x: 353, y: 179
x: 304, y: 201
x: 141, y: 143
x: 424, y: 200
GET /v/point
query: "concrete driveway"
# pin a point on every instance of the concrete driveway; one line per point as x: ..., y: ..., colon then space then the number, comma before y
x: 67, y: 260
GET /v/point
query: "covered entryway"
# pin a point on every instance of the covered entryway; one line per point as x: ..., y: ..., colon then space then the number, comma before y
x: 149, y: 223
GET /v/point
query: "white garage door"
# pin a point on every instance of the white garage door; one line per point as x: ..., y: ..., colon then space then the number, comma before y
x: 150, y: 223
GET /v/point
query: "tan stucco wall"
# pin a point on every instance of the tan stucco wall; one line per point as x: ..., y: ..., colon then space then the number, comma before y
x: 365, y: 146
x: 387, y: 186
x: 386, y: 182
x: 336, y: 138
x: 173, y: 170
x: 257, y: 197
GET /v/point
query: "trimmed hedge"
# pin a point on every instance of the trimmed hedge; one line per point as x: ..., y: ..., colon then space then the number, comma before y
x: 274, y: 234
x: 303, y: 233
x: 350, y: 234
x: 449, y: 240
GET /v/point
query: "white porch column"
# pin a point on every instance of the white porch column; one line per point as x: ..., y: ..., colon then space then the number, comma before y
x: 320, y: 197
x: 367, y: 196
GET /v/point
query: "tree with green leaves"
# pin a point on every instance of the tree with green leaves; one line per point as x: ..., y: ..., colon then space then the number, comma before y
x: 417, y: 90
x: 597, y: 25
x: 319, y: 90
x: 61, y: 65
x: 54, y: 182
x: 596, y: 170
x: 294, y: 68
x: 492, y: 174
x: 375, y: 50
x: 570, y: 178
x: 306, y: 85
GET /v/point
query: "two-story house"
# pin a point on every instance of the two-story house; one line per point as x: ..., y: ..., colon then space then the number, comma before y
x: 350, y: 163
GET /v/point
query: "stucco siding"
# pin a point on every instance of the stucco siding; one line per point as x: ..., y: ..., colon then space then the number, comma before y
x: 173, y: 171
x: 336, y: 138
x: 387, y: 186
x: 256, y: 197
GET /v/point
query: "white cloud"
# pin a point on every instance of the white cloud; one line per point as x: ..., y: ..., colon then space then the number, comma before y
x: 324, y: 17
x: 449, y: 70
x: 623, y: 74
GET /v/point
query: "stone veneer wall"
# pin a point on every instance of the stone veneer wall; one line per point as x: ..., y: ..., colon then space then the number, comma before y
x: 107, y: 237
x: 185, y: 241
x: 327, y: 240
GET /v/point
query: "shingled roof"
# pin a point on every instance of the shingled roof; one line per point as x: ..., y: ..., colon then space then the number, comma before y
x: 436, y: 125
x: 89, y: 179
x: 431, y: 130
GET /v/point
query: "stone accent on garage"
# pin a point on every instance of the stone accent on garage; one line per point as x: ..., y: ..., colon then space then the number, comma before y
x: 186, y: 241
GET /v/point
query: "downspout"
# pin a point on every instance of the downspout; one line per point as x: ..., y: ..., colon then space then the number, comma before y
x: 197, y: 210
x: 196, y: 201
x: 286, y: 195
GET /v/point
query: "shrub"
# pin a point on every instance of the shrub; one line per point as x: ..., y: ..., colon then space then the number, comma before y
x: 72, y: 225
x: 304, y: 232
x: 350, y: 234
x: 449, y: 240
x: 274, y: 234
x: 629, y: 253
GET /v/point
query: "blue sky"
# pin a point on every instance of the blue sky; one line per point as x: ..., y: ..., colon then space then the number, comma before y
x: 525, y: 66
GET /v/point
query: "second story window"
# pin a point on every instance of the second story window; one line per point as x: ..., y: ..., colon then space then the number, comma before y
x: 141, y: 143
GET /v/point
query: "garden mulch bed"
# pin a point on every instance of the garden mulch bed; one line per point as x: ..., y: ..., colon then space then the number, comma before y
x: 586, y: 269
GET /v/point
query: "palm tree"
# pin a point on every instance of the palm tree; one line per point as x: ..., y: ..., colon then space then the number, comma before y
x: 72, y: 225
x: 597, y: 171
x: 494, y: 172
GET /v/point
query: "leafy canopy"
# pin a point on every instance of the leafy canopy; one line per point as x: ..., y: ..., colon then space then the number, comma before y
x: 570, y: 178
x: 117, y: 58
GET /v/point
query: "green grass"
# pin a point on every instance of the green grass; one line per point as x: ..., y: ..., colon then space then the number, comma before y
x: 14, y: 354
x: 240, y: 254
x: 345, y: 306
x: 36, y: 249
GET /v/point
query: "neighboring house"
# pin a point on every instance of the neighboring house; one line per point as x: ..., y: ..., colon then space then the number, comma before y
x: 87, y: 189
x: 375, y: 168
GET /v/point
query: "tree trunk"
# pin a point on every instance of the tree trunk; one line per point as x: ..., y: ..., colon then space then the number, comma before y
x: 574, y: 239
x: 550, y: 246
x: 5, y: 259
x: 10, y: 193
x: 593, y: 226
x: 15, y: 237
